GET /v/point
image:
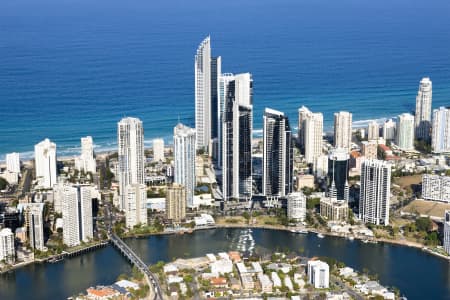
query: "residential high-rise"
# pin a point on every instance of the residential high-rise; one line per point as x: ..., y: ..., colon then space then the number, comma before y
x: 176, y: 203
x: 440, y: 138
x: 311, y: 134
x: 207, y: 73
x: 45, y: 163
x: 158, y: 150
x: 34, y: 219
x: 373, y: 131
x: 13, y: 162
x: 296, y: 206
x: 405, y: 132
x: 130, y: 140
x: 302, y: 113
x: 77, y: 214
x: 224, y: 81
x: 278, y: 161
x: 86, y: 161
x: 343, y: 130
x: 7, y: 252
x: 389, y: 130
x: 375, y: 192
x: 447, y: 231
x: 422, y: 120
x: 237, y: 126
x: 436, y: 188
x: 338, y: 160
x: 136, y: 207
x: 184, y: 156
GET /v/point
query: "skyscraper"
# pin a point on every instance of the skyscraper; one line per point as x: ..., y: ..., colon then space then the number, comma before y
x: 375, y: 192
x: 311, y: 134
x: 237, y: 126
x: 7, y: 252
x: 373, y: 131
x: 203, y: 93
x: 278, y: 154
x: 136, y: 207
x: 389, y: 130
x: 440, y: 138
x: 184, y: 156
x: 13, y: 162
x: 405, y: 132
x: 422, y: 120
x: 158, y: 150
x: 34, y: 219
x: 130, y: 140
x: 77, y: 214
x: 296, y: 206
x: 302, y: 113
x: 45, y: 163
x: 338, y: 160
x: 86, y: 161
x: 343, y: 130
x: 207, y: 73
x: 176, y: 203
x: 447, y: 231
x: 224, y: 81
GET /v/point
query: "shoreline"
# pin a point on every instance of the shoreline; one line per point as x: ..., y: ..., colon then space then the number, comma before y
x: 104, y: 243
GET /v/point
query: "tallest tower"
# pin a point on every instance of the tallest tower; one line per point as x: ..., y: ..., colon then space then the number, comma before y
x: 203, y: 93
x: 207, y: 72
x: 422, y: 120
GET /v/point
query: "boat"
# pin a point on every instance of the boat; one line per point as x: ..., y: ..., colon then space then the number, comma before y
x: 365, y: 241
x: 351, y: 238
x: 292, y: 230
x: 319, y: 235
x: 55, y: 259
x: 302, y: 231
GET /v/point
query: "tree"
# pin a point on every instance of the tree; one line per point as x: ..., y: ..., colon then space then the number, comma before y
x: 3, y: 183
x: 424, y: 224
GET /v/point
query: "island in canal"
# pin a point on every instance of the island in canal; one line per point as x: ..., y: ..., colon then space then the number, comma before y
x: 235, y: 275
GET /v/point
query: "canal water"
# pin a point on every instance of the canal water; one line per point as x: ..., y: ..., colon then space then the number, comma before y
x: 417, y: 274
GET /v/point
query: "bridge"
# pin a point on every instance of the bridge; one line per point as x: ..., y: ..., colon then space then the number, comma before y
x: 133, y: 258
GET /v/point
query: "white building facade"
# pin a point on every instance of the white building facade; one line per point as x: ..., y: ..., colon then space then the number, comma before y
x: 440, y: 137
x: 389, y: 128
x: 136, y: 208
x: 158, y: 150
x: 86, y: 161
x: 130, y: 140
x: 373, y: 131
x: 7, y: 251
x: 77, y: 214
x: 184, y: 156
x: 318, y: 274
x: 405, y: 132
x: 436, y: 187
x: 343, y: 130
x: 422, y: 120
x: 45, y: 163
x: 13, y: 162
x: 296, y: 206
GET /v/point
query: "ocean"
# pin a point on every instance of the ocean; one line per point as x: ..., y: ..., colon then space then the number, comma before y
x: 71, y: 68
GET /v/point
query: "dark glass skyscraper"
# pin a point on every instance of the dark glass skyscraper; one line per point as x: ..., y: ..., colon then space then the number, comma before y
x: 338, y: 173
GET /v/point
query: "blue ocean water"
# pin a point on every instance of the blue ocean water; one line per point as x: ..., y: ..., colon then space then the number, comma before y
x: 70, y: 68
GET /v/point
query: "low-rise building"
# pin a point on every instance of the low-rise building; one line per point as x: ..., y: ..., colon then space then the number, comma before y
x: 222, y: 266
x: 7, y: 251
x: 247, y: 281
x: 296, y: 206
x: 333, y: 210
x: 276, y: 280
x: 266, y: 284
x: 305, y: 180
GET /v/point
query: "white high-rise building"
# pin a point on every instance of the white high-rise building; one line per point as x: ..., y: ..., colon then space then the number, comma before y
x: 389, y: 130
x: 405, y: 132
x: 302, y: 113
x: 34, y: 219
x: 447, y: 231
x: 158, y: 150
x: 130, y: 140
x: 203, y: 93
x: 45, y: 163
x: 13, y: 162
x: 278, y: 155
x: 343, y: 130
x: 237, y: 127
x: 296, y: 206
x: 184, y: 156
x: 311, y: 134
x: 436, y: 188
x: 86, y: 161
x: 440, y: 138
x: 223, y: 82
x: 375, y: 192
x: 76, y: 208
x: 7, y: 252
x: 422, y: 120
x: 318, y: 274
x: 373, y: 131
x: 136, y: 207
